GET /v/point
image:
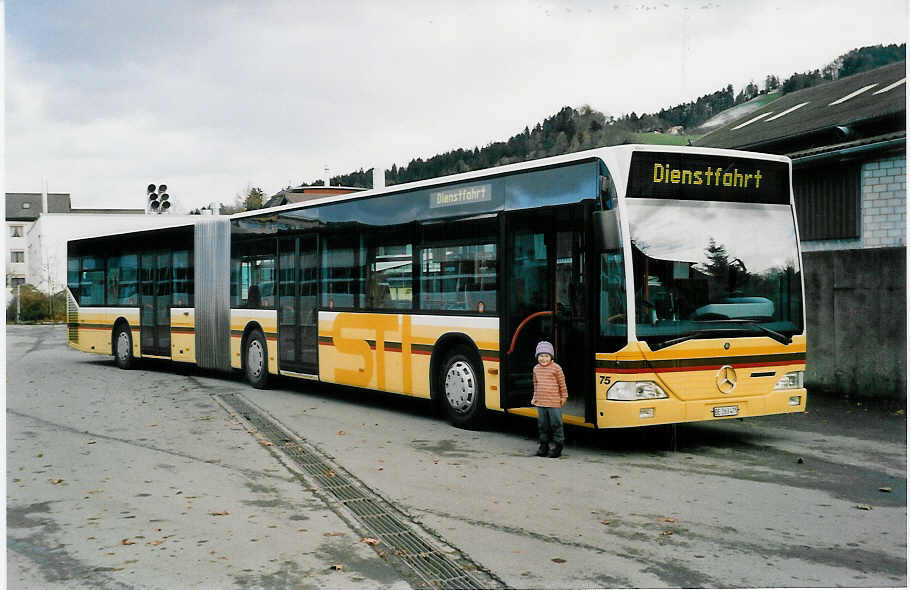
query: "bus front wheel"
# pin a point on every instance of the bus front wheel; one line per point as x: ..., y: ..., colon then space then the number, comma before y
x: 461, y: 390
x: 256, y: 360
x: 123, y: 347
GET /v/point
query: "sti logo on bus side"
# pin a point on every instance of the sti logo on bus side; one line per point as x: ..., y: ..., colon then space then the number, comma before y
x: 664, y: 173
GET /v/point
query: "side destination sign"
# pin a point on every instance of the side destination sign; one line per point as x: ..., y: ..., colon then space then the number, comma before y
x: 461, y: 196
x: 698, y: 177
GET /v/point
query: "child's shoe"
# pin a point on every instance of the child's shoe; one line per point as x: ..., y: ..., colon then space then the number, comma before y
x: 542, y: 449
x: 556, y: 451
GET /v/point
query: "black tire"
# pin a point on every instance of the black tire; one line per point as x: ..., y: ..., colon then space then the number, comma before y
x: 461, y: 389
x: 123, y: 347
x: 256, y: 360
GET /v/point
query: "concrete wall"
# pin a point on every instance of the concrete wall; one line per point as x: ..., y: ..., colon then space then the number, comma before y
x: 884, y: 186
x: 856, y: 307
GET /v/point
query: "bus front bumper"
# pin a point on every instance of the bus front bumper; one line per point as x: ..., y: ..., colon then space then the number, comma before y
x: 623, y: 414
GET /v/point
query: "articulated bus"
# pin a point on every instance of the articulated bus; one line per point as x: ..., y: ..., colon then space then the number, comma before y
x: 668, y: 279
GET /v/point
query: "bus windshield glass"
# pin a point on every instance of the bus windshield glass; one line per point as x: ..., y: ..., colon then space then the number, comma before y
x: 706, y: 269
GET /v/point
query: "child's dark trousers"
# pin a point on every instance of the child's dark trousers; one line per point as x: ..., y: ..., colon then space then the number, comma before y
x: 549, y: 426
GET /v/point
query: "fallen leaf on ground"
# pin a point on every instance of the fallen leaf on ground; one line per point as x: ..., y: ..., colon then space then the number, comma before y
x: 864, y: 507
x: 222, y: 513
x: 266, y: 443
x: 884, y: 489
x: 337, y: 567
x: 558, y: 560
x: 666, y: 533
x: 331, y: 473
x: 370, y: 541
x: 155, y: 543
x: 669, y: 519
x: 605, y: 522
x: 56, y: 481
x: 332, y: 534
x: 91, y: 442
x: 341, y: 433
x: 127, y: 542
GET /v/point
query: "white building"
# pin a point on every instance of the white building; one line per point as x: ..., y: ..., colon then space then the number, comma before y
x: 22, y: 211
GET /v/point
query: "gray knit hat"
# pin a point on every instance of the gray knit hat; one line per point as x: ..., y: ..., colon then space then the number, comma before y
x: 544, y: 347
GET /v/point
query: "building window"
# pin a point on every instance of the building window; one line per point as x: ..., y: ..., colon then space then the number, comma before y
x: 26, y: 205
x: 16, y: 281
x: 828, y: 202
x: 17, y: 256
x: 16, y: 231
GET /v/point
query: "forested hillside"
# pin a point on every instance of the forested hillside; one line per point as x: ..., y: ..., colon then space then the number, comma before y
x: 572, y: 129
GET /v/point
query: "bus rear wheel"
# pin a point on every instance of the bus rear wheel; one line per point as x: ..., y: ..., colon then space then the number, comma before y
x: 256, y: 360
x: 123, y: 347
x: 461, y: 390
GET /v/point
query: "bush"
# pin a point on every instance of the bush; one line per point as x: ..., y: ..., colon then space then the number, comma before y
x: 36, y: 306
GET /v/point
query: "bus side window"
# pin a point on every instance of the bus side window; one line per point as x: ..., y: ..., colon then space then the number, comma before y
x: 72, y: 275
x: 458, y: 278
x: 252, y: 265
x: 389, y: 269
x: 613, y: 318
x: 183, y: 279
x: 342, y: 272
x: 91, y: 281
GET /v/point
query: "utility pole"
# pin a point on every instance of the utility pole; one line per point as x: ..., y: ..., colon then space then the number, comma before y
x: 18, y: 301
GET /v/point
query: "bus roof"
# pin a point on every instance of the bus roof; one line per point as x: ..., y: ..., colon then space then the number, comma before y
x: 608, y: 154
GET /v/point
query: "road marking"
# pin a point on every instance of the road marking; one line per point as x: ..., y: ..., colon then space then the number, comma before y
x: 406, y: 544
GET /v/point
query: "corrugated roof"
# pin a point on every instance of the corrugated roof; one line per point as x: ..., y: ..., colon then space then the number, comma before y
x: 27, y: 206
x: 873, y: 95
x: 306, y: 193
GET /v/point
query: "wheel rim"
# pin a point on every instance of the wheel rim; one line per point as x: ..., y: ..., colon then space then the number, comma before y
x: 254, y: 357
x: 460, y: 386
x: 123, y: 346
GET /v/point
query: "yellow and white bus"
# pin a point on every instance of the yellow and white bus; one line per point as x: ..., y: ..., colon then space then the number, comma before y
x: 668, y: 279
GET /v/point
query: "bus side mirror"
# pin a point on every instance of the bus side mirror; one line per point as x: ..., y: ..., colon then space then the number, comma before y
x: 606, y: 231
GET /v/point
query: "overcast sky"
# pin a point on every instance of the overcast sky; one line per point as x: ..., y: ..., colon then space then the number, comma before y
x: 103, y: 98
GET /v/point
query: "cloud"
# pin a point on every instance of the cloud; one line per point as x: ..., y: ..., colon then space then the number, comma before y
x: 209, y: 97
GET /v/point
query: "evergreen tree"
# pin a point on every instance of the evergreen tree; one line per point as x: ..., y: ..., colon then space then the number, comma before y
x: 254, y: 199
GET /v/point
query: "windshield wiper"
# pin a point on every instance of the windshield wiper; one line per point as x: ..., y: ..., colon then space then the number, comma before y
x: 723, y: 332
x: 695, y: 335
x: 782, y: 338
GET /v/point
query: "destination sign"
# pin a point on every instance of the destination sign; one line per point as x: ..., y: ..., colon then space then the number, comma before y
x: 461, y: 196
x: 699, y: 177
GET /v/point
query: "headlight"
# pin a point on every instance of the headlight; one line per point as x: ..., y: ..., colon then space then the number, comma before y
x: 792, y: 380
x: 635, y: 390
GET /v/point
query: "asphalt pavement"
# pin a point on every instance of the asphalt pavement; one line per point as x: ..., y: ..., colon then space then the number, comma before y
x: 170, y: 477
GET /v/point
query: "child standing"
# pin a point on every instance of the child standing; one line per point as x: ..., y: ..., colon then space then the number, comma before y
x: 550, y: 395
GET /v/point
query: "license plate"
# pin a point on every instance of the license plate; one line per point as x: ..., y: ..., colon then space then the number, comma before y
x: 721, y: 411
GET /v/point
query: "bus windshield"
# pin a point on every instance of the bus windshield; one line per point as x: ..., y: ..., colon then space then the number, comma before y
x: 706, y: 269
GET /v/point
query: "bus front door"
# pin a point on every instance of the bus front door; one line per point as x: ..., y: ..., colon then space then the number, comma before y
x: 297, y: 305
x: 546, y: 300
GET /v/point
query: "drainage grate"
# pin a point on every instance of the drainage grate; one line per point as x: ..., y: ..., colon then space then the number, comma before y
x: 378, y: 517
